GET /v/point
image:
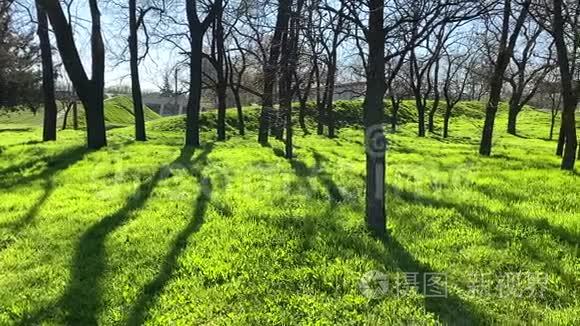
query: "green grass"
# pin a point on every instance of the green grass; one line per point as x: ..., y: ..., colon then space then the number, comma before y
x: 233, y: 233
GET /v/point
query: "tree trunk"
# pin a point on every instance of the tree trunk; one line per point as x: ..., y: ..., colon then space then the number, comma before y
x: 140, y: 134
x: 50, y: 110
x: 270, y: 69
x: 90, y: 91
x: 75, y: 116
x: 552, y: 123
x: 514, y: 110
x: 194, y: 102
x: 490, y: 112
x: 221, y: 121
x: 330, y: 96
x: 222, y: 84
x: 421, y: 116
x: 436, y: 99
x: 95, y: 111
x: 319, y: 104
x: 561, y: 140
x: 241, y: 124
x: 395, y: 108
x: 65, y: 118
x: 569, y: 94
x: 434, y: 107
x: 446, y: 119
x: 302, y: 116
x: 373, y: 118
x: 496, y: 83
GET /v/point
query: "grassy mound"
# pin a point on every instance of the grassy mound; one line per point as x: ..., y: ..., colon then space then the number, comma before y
x: 118, y: 112
x: 233, y: 233
x: 347, y: 114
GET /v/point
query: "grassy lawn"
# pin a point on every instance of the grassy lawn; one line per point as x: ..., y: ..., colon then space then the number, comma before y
x: 234, y: 233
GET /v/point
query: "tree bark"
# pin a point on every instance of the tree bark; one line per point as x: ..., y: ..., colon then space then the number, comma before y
x: 220, y: 70
x: 50, y: 110
x: 569, y: 94
x: 194, y: 102
x: 196, y: 31
x: 140, y: 134
x: 90, y: 91
x: 373, y: 118
x: 513, y: 112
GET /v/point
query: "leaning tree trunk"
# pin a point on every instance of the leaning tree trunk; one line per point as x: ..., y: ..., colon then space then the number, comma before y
x: 135, y: 83
x: 373, y: 118
x: 50, y: 110
x: 490, y: 113
x: 67, y: 109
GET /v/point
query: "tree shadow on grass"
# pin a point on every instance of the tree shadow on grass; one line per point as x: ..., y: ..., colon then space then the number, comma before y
x: 154, y: 288
x: 511, y: 220
x: 450, y: 308
x: 15, y: 129
x: 326, y: 230
x: 56, y: 163
x: 16, y: 227
x: 83, y: 296
x: 81, y: 300
x: 30, y: 142
x: 303, y: 172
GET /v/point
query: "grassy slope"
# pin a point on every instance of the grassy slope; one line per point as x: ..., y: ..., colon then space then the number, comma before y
x: 234, y: 233
x: 118, y: 112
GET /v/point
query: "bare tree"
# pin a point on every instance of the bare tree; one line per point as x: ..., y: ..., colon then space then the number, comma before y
x: 90, y: 91
x: 455, y: 83
x: 136, y: 23
x: 197, y: 29
x: 506, y: 46
x: 527, y: 72
x: 271, y: 69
